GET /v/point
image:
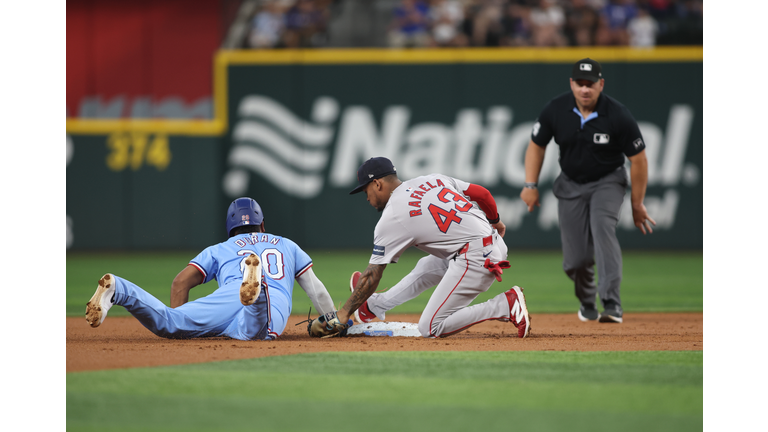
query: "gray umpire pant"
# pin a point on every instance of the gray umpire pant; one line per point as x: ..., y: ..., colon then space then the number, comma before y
x: 589, y: 214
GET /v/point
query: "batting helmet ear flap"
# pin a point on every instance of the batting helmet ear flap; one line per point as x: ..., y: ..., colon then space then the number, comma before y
x: 243, y: 211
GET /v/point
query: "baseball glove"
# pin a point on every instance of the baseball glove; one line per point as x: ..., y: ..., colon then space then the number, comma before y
x: 327, y: 325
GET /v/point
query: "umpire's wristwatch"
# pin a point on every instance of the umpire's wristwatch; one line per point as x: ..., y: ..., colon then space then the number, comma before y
x: 530, y: 185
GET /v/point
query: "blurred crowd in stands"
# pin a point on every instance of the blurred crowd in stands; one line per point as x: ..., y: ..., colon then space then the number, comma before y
x: 290, y: 24
x: 546, y: 23
x: 486, y: 23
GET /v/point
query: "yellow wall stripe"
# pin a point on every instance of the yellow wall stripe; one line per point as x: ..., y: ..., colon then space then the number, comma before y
x: 170, y: 127
x: 466, y: 55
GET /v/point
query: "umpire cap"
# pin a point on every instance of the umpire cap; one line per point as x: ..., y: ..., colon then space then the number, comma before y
x: 372, y: 169
x: 587, y: 69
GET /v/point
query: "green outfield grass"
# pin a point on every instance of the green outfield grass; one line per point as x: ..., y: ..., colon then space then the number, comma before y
x: 399, y: 391
x: 653, y: 281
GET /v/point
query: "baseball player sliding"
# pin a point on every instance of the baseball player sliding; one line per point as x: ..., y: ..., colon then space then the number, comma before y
x: 466, y: 252
x: 257, y: 267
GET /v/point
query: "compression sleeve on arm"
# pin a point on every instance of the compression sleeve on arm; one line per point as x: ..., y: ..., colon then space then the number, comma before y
x: 485, y: 200
x: 316, y: 291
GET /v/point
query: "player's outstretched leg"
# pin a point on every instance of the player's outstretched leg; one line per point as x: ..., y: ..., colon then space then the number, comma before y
x: 251, y: 286
x: 363, y: 314
x: 97, y: 307
x: 518, y: 311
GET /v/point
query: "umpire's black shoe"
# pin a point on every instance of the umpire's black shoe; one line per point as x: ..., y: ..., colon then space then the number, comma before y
x: 588, y: 314
x: 612, y: 314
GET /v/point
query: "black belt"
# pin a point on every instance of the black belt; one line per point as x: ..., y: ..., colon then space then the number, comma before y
x: 591, y: 180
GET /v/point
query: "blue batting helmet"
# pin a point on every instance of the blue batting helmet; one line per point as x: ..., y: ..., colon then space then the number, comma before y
x: 243, y: 211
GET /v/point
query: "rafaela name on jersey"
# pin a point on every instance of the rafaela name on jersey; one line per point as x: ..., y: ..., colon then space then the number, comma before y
x: 418, y: 194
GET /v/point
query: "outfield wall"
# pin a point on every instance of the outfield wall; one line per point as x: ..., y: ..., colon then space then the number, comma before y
x: 136, y: 190
x: 292, y: 127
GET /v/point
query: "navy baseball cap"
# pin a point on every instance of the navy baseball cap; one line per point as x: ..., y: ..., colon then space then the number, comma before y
x: 372, y: 169
x: 587, y: 69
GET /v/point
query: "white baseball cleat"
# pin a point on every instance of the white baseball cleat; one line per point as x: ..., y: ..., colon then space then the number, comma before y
x: 518, y: 311
x: 251, y: 286
x: 97, y: 307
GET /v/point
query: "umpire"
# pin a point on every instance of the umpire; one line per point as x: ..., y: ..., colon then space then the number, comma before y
x: 594, y: 132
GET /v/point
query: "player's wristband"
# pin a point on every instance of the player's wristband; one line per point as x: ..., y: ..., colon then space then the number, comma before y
x: 494, y: 221
x: 531, y: 185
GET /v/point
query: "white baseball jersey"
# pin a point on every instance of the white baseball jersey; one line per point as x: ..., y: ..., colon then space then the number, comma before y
x: 434, y: 214
x: 431, y: 213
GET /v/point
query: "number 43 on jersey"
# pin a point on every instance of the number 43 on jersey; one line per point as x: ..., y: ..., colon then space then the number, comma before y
x: 444, y: 218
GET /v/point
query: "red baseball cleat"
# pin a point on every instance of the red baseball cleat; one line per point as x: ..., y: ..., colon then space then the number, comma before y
x: 518, y: 311
x: 362, y: 314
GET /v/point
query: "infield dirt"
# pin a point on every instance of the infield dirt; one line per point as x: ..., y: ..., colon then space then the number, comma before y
x: 122, y: 342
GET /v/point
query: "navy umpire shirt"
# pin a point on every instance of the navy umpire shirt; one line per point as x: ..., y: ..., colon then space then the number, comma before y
x: 593, y: 148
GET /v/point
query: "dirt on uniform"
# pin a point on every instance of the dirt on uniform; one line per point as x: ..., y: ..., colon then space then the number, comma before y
x: 122, y: 342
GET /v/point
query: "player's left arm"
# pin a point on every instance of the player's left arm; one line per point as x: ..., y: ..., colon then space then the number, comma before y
x: 316, y: 292
x: 639, y: 176
x: 366, y: 286
x: 187, y: 279
x: 484, y: 199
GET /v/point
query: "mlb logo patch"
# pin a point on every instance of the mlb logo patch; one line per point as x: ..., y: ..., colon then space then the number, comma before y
x: 585, y: 67
x: 602, y: 138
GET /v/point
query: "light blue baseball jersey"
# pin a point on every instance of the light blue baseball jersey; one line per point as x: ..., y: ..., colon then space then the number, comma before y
x: 221, y: 313
x: 282, y: 261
